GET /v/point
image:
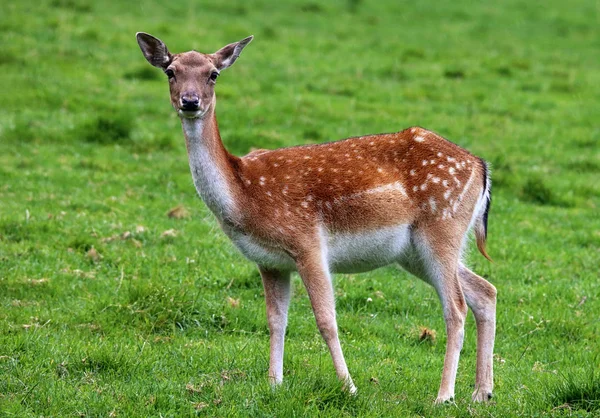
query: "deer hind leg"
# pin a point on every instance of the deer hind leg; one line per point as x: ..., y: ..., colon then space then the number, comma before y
x: 277, y: 297
x: 314, y: 272
x: 436, y: 262
x: 481, y: 298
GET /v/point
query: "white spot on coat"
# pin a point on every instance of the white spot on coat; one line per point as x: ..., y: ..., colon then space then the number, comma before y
x: 432, y: 204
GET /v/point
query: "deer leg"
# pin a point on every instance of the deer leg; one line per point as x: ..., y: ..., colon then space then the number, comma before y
x: 481, y: 298
x: 277, y: 297
x: 438, y: 266
x: 455, y: 312
x: 317, y: 280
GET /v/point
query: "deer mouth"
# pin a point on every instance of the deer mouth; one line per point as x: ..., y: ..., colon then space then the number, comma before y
x: 191, y: 114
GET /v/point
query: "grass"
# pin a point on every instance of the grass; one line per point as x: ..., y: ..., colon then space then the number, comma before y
x: 109, y: 306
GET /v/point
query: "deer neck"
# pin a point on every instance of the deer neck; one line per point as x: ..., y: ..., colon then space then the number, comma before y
x: 212, y: 167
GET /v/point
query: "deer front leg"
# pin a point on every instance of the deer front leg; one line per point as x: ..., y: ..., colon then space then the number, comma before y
x: 314, y: 272
x: 481, y: 298
x: 277, y: 297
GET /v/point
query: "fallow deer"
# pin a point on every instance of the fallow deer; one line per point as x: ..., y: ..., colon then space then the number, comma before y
x: 353, y: 205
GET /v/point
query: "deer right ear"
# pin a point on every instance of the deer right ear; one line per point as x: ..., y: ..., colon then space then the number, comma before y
x: 154, y: 50
x: 226, y: 56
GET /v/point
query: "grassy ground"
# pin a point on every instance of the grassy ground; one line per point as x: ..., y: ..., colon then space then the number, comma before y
x: 109, y: 307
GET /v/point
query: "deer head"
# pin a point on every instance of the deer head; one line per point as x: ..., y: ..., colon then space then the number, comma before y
x: 192, y: 75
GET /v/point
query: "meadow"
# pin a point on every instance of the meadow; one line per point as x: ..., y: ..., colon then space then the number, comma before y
x: 120, y: 296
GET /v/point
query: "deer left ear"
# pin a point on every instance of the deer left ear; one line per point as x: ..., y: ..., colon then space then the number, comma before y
x: 154, y: 50
x: 226, y: 56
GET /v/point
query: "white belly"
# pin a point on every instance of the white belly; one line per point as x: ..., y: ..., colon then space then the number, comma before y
x: 343, y: 253
x: 364, y: 251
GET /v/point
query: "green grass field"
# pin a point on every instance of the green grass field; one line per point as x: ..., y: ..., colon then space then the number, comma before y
x: 110, y: 307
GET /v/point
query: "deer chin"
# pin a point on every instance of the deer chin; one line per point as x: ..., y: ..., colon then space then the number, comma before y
x: 192, y: 114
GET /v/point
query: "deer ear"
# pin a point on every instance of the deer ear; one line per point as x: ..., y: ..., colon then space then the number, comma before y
x: 226, y: 56
x: 154, y: 50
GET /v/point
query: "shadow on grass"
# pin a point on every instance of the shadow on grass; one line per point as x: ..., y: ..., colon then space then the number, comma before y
x: 327, y: 394
x: 108, y: 128
x: 576, y: 392
x: 143, y: 73
x: 160, y: 310
x: 536, y: 191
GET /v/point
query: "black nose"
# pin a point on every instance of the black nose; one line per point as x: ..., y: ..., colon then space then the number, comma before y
x: 190, y: 102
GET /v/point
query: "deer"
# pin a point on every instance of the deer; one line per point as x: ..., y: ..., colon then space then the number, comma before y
x: 408, y: 198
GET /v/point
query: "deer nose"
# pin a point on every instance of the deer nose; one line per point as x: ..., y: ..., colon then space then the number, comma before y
x: 190, y: 102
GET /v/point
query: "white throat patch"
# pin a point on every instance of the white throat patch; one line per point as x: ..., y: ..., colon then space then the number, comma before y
x: 209, y: 179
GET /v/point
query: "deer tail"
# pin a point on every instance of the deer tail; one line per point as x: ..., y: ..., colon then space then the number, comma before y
x: 482, y: 211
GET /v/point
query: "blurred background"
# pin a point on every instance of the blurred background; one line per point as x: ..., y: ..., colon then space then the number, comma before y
x: 114, y: 277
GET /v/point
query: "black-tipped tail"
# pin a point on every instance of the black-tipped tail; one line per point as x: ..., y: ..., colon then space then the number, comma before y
x: 481, y: 222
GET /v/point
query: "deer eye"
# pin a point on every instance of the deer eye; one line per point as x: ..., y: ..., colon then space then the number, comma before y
x: 214, y: 75
x: 170, y: 73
